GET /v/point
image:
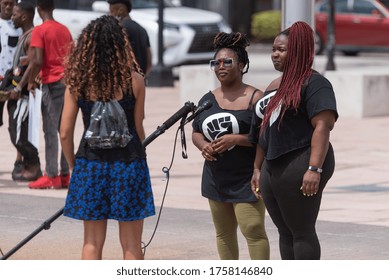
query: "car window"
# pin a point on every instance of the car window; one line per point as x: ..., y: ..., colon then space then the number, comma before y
x: 363, y: 7
x: 341, y: 6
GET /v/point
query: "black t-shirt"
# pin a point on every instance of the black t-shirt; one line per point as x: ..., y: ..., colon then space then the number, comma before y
x: 227, y: 179
x: 295, y: 130
x: 139, y: 41
x: 133, y: 150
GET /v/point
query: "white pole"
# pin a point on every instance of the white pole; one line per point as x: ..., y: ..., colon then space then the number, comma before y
x: 298, y: 10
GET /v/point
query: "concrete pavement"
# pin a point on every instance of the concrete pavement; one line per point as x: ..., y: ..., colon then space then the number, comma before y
x: 353, y: 221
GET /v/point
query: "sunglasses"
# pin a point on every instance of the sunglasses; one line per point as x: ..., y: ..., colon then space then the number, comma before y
x: 215, y: 63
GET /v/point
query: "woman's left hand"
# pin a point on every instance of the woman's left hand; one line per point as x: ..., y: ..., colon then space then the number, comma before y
x: 255, y: 185
x: 310, y: 184
x: 223, y: 143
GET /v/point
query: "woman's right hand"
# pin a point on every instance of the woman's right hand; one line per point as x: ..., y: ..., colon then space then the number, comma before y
x: 204, y: 146
x: 255, y: 186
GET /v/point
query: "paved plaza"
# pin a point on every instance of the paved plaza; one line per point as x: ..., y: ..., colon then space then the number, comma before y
x: 353, y: 223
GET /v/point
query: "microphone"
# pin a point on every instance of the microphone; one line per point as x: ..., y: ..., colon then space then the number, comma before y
x: 188, y: 107
x: 205, y: 106
x: 181, y: 113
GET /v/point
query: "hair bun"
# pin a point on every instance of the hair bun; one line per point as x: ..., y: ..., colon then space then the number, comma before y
x: 230, y: 40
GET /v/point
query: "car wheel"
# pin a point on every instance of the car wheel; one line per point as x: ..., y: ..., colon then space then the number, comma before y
x: 319, y: 45
x: 350, y: 53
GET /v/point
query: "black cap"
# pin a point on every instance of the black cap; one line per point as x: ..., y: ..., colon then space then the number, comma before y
x: 125, y: 2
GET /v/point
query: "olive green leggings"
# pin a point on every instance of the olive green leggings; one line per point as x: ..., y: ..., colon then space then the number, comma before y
x: 251, y: 220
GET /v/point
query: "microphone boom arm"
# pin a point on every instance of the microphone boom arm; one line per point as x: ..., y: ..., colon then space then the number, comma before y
x: 183, y: 112
x: 180, y: 114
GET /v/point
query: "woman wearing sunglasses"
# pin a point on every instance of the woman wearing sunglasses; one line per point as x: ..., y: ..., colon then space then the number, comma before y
x: 221, y: 134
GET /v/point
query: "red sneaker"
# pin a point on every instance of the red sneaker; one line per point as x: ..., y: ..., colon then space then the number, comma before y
x: 65, y: 179
x: 46, y: 182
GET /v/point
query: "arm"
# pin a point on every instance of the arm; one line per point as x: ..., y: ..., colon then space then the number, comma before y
x: 24, y: 80
x: 15, y: 92
x: 35, y: 56
x: 149, y: 61
x: 322, y: 123
x: 138, y: 86
x: 255, y: 186
x: 68, y: 122
x: 204, y: 146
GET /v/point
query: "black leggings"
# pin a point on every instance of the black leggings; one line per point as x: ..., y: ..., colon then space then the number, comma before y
x: 293, y: 213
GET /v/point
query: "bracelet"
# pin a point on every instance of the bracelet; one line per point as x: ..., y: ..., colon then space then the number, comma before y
x: 315, y: 168
x: 17, y: 89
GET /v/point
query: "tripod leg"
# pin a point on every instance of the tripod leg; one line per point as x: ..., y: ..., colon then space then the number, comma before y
x: 46, y: 225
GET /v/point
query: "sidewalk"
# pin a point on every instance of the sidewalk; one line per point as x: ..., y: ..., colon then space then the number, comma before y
x: 353, y: 221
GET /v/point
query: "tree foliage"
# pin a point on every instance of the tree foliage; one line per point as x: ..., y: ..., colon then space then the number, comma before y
x: 266, y: 25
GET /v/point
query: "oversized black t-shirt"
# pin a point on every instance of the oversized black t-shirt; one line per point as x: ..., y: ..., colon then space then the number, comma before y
x: 139, y: 41
x: 228, y: 178
x: 295, y: 130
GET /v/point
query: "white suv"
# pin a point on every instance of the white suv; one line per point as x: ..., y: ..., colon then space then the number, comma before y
x: 188, y: 32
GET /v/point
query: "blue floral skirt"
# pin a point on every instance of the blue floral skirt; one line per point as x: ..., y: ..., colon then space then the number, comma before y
x: 110, y: 190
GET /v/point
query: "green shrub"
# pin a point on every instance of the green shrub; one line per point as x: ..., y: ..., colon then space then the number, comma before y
x: 266, y: 25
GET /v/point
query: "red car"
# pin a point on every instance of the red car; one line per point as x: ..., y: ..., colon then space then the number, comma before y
x: 360, y: 25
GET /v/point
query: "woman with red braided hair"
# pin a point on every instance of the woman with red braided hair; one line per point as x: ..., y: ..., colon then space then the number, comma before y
x: 294, y: 157
x: 221, y: 134
x: 106, y: 183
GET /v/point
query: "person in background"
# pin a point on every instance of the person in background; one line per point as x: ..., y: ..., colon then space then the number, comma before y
x: 137, y: 35
x: 112, y: 183
x: 221, y: 134
x: 9, y: 36
x: 294, y: 159
x: 22, y: 17
x: 50, y: 43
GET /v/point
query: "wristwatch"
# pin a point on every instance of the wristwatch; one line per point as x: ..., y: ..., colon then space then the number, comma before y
x: 315, y: 168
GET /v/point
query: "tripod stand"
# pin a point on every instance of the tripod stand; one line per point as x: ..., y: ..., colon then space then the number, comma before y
x: 180, y: 114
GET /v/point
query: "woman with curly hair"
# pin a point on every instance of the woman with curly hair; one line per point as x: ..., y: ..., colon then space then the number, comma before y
x: 221, y: 134
x: 106, y: 183
x: 294, y: 156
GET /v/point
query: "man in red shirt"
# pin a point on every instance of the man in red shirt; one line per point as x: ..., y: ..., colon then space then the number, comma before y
x: 50, y: 43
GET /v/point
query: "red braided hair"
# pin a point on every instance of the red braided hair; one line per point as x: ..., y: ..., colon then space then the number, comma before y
x: 297, y: 69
